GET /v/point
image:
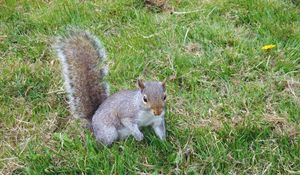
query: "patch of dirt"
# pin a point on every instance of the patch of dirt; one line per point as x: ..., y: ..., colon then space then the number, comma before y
x: 179, y: 106
x: 193, y: 49
x: 281, y: 126
x: 11, y: 166
x: 213, y: 123
x: 292, y: 87
x: 160, y: 5
x: 2, y: 37
x: 112, y: 31
x: 217, y: 123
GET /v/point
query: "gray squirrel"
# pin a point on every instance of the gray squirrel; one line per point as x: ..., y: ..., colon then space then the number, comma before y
x: 112, y: 117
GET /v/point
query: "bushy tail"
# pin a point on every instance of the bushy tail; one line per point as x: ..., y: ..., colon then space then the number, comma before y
x: 82, y: 57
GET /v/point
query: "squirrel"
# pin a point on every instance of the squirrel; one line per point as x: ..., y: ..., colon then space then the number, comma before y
x: 111, y: 117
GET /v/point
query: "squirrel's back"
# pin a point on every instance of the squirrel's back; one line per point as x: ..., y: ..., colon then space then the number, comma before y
x: 82, y: 58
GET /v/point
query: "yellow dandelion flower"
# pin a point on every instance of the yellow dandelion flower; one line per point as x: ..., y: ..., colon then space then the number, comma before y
x: 268, y: 47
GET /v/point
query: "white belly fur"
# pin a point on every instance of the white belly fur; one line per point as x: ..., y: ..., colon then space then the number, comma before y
x: 147, y: 118
x: 144, y: 119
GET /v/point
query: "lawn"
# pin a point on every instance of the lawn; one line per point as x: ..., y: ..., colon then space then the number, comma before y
x: 233, y: 107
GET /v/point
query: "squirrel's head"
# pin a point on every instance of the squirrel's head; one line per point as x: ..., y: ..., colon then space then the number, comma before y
x: 153, y: 95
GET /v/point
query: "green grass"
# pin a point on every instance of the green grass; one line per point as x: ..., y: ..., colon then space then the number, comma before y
x: 232, y: 107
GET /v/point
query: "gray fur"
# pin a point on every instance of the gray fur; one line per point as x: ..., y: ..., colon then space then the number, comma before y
x: 124, y: 113
x: 82, y: 58
x: 112, y: 117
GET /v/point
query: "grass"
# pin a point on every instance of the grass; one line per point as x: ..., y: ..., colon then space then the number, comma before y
x: 233, y: 108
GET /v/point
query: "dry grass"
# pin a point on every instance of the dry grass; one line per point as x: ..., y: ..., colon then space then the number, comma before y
x: 232, y: 107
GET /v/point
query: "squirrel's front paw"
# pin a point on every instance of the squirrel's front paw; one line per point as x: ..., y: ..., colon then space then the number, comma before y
x: 139, y: 136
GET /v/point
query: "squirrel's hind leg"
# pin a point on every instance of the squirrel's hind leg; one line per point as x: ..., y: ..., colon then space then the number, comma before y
x: 105, y: 134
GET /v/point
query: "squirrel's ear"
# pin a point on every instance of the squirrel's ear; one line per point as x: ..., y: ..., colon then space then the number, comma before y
x: 140, y: 84
x: 163, y: 83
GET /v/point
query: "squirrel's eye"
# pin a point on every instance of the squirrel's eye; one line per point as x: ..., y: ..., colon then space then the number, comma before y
x: 145, y: 99
x: 164, y: 97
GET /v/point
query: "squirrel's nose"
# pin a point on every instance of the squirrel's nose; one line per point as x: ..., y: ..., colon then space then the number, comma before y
x: 157, y: 112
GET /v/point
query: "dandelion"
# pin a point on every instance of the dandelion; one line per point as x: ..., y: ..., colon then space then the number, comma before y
x: 268, y: 47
